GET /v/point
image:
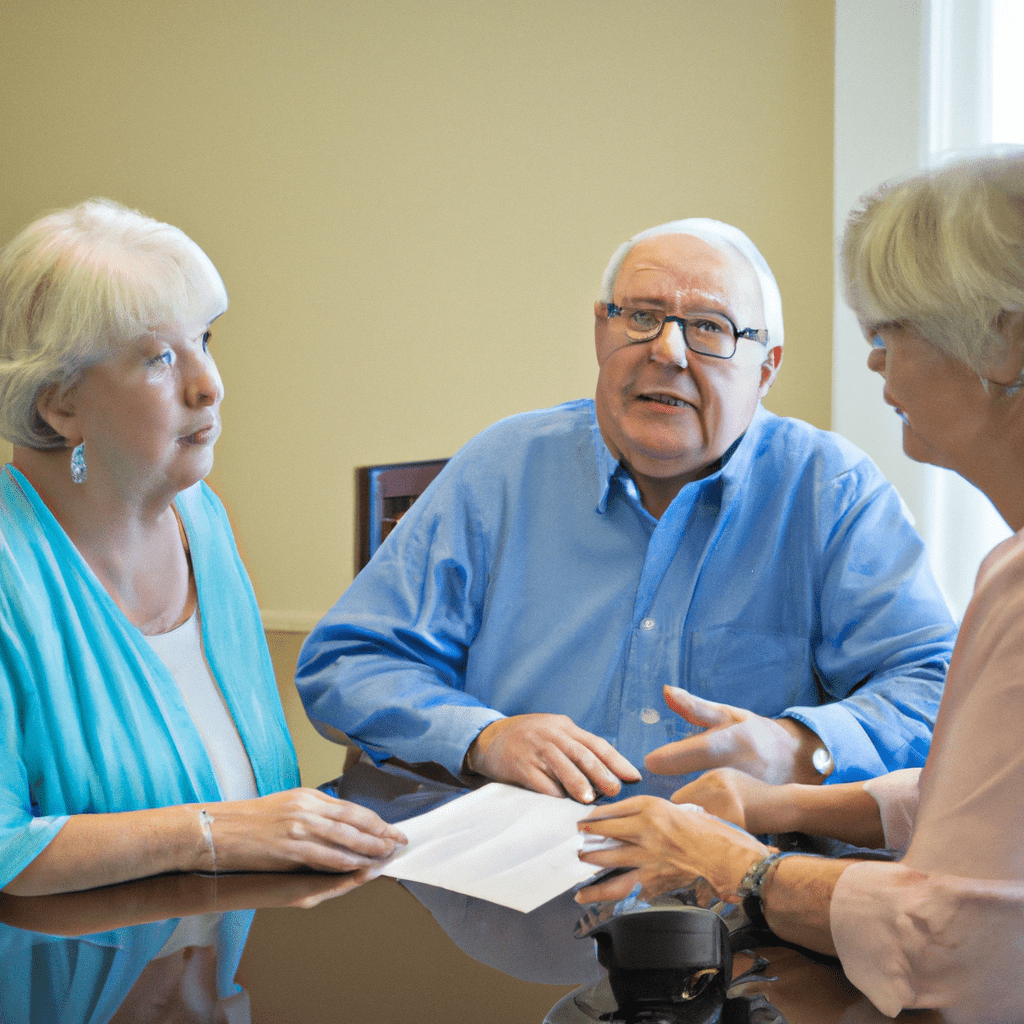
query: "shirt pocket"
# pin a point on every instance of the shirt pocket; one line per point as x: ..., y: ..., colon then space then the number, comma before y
x: 763, y: 672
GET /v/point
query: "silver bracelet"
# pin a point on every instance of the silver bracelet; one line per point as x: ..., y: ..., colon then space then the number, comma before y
x: 205, y: 821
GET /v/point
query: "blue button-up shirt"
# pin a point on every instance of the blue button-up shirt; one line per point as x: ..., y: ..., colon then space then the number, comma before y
x: 529, y: 577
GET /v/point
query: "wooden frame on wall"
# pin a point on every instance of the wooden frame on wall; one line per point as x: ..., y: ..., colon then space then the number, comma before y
x: 383, y: 495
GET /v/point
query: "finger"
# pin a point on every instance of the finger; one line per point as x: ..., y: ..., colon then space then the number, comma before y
x: 598, y: 759
x: 621, y: 809
x: 321, y: 853
x: 698, y: 753
x: 361, y: 818
x: 627, y: 830
x: 614, y: 857
x: 345, y: 836
x: 594, y: 769
x: 696, y: 710
x: 616, y: 766
x: 616, y: 888
x: 536, y: 779
x: 568, y: 773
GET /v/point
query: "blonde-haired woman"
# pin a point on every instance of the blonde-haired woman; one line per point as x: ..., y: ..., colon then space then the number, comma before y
x: 142, y: 730
x: 934, y: 268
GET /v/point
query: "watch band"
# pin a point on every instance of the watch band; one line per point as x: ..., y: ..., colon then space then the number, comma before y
x: 749, y: 889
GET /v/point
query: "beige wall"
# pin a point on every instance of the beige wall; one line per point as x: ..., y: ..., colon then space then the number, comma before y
x: 362, y: 172
x: 320, y: 760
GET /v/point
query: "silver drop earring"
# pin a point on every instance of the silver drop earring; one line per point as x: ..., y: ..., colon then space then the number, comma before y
x: 79, y: 471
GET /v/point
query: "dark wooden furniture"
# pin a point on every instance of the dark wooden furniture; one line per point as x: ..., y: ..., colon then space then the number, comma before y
x: 383, y: 495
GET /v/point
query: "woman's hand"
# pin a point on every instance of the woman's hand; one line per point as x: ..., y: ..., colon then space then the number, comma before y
x: 733, y: 795
x: 666, y: 847
x: 299, y: 828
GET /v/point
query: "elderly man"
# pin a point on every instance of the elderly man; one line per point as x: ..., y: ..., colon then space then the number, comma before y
x: 576, y: 575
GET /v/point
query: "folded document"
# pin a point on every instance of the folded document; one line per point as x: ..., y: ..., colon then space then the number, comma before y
x: 498, y: 843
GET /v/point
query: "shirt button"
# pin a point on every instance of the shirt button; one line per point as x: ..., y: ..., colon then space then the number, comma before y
x: 647, y: 624
x: 650, y: 716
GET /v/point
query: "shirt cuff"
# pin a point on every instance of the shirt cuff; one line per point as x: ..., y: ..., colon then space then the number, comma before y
x: 896, y: 795
x: 854, y: 754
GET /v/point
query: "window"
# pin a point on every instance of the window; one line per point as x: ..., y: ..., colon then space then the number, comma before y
x: 1007, y: 28
x: 942, y: 77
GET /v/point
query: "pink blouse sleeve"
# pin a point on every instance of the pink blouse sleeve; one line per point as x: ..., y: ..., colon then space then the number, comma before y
x: 945, y: 928
x: 896, y: 795
x: 912, y: 940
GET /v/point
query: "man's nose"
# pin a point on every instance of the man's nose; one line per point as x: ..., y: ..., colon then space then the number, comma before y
x: 669, y: 346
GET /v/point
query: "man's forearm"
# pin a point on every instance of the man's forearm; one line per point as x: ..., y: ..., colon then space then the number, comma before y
x: 797, y: 900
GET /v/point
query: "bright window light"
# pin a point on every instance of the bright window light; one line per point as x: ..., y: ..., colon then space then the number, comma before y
x: 1007, y: 89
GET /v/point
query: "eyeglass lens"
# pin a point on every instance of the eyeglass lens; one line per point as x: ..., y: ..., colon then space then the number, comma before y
x: 708, y: 334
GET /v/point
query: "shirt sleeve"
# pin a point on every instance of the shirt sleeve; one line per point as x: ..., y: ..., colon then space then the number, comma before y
x: 908, y: 939
x: 886, y: 633
x: 896, y: 794
x: 387, y: 663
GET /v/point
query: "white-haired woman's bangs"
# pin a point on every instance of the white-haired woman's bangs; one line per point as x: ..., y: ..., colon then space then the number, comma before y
x: 157, y: 288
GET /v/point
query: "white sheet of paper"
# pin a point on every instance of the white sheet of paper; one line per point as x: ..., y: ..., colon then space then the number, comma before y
x: 499, y: 843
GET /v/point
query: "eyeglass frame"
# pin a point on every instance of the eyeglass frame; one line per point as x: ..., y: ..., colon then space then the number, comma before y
x: 753, y: 333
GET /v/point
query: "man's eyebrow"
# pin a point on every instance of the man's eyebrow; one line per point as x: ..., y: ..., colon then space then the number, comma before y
x: 643, y: 304
x: 717, y: 307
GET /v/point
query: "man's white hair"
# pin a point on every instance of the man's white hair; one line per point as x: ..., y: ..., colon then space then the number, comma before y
x: 715, y: 233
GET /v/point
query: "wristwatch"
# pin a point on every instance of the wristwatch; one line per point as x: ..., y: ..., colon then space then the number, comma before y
x: 822, y: 761
x: 749, y: 889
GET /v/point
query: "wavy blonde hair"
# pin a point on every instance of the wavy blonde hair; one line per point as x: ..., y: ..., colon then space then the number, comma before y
x: 77, y: 285
x: 942, y: 251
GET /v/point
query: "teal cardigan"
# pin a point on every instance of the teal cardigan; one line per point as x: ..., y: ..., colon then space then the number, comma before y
x: 90, y: 719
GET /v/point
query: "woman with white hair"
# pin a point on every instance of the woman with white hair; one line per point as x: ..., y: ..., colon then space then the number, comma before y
x: 143, y: 732
x: 934, y: 268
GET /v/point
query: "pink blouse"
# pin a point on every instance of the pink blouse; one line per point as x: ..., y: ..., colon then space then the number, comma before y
x: 945, y: 927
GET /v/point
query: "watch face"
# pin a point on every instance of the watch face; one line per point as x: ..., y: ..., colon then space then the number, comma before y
x: 822, y: 761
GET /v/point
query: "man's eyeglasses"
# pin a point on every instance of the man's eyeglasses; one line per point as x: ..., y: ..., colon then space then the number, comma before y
x: 707, y: 334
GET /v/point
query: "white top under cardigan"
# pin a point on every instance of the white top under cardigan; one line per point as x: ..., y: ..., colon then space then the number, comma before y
x: 181, y: 651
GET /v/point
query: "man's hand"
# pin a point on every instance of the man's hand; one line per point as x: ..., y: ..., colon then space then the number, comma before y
x: 665, y: 847
x: 775, y: 750
x: 549, y: 754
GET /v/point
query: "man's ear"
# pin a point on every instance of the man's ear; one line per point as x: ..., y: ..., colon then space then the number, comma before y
x: 602, y: 341
x: 770, y: 369
x: 57, y: 408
